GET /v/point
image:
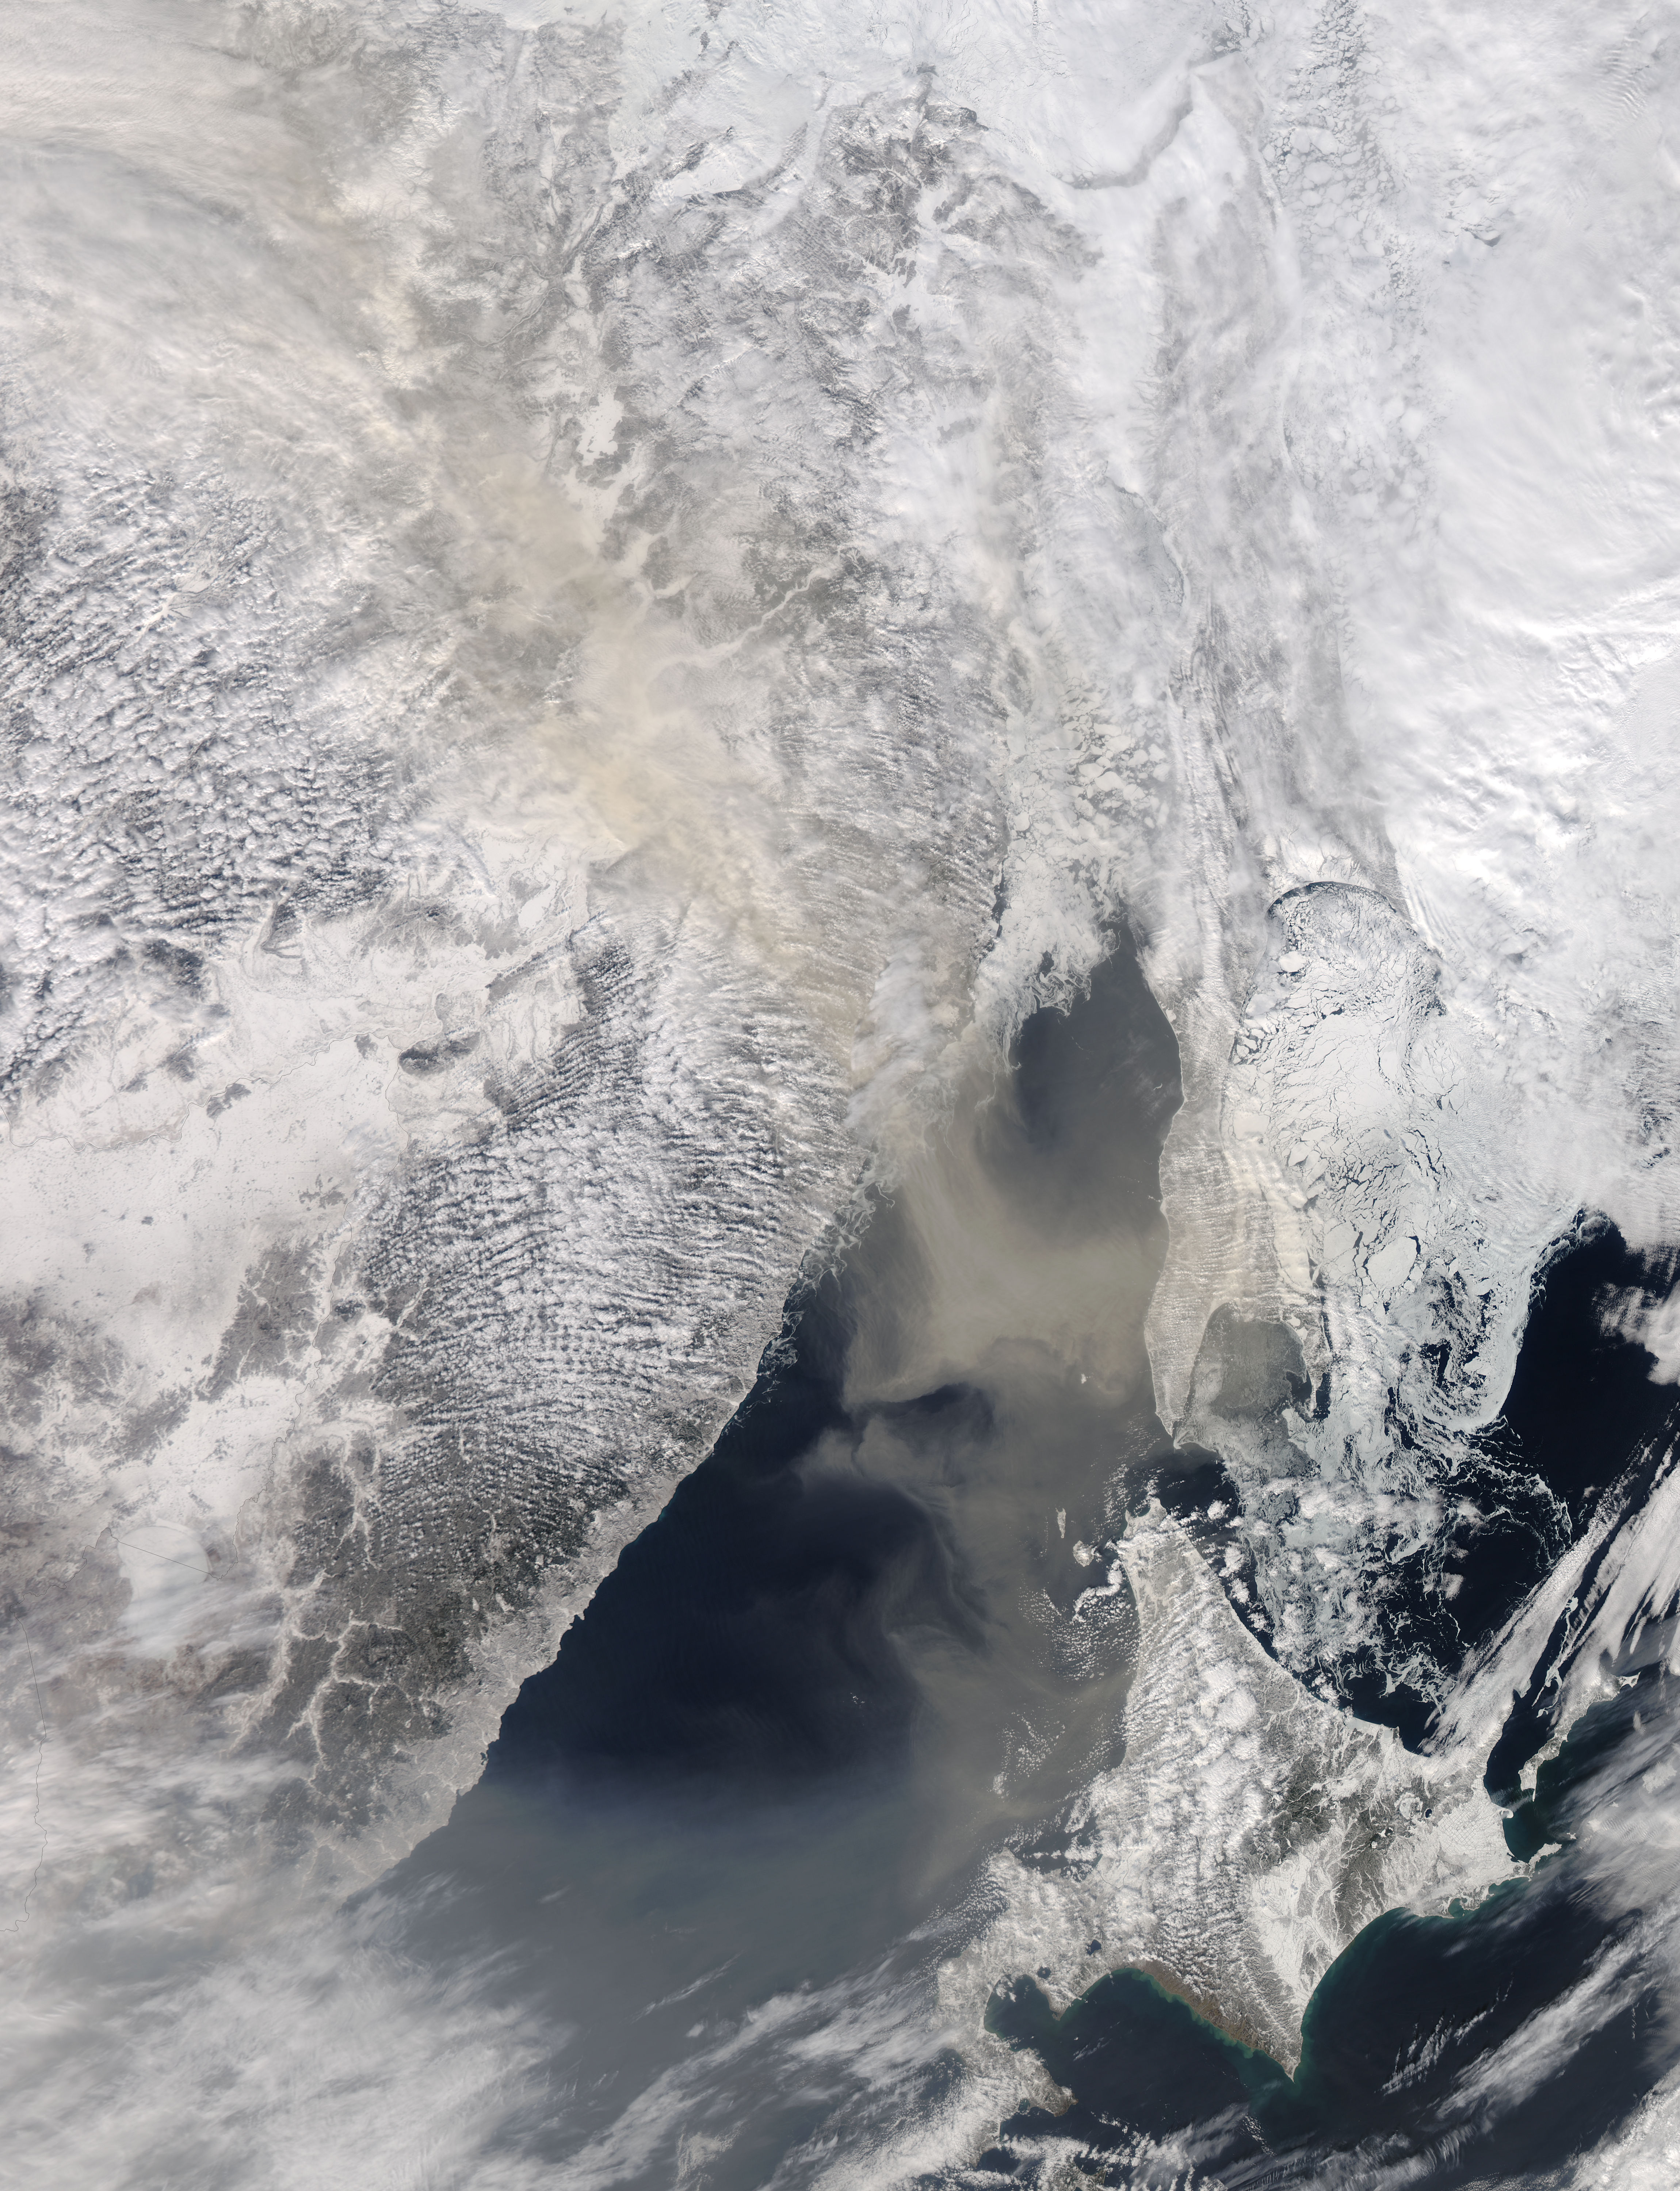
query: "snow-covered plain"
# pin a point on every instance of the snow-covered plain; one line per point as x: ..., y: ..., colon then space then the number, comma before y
x: 597, y: 604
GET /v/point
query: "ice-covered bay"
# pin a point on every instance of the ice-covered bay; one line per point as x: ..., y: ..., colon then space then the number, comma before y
x: 596, y: 607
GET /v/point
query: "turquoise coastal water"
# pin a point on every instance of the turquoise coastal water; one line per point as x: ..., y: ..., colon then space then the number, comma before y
x: 732, y: 1829
x: 1128, y: 2033
x: 1393, y: 2035
x: 1141, y: 2061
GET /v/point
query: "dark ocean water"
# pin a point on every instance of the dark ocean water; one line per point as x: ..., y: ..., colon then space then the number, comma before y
x: 1494, y: 2044
x: 723, y: 1841
x: 1582, y: 1424
x: 838, y: 1669
x: 1482, y: 2047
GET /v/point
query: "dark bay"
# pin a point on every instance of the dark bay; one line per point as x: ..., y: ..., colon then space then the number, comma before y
x: 723, y: 1841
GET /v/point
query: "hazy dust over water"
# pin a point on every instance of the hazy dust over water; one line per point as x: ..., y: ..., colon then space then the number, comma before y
x: 596, y: 609
x: 861, y: 1646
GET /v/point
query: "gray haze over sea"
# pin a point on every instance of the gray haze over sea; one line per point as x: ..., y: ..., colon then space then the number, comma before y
x: 838, y: 933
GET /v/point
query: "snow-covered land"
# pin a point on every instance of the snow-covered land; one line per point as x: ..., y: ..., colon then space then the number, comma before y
x: 597, y: 603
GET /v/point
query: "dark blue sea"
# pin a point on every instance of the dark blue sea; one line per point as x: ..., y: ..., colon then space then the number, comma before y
x: 724, y: 1843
